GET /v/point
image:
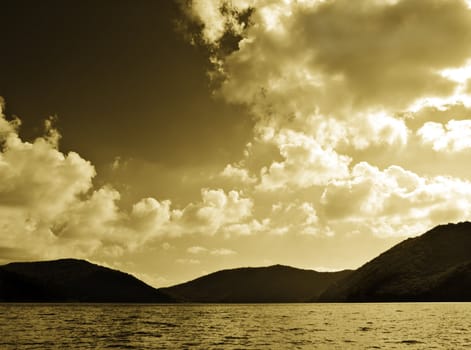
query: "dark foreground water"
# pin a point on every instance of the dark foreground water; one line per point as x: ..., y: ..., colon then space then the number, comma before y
x: 272, y: 326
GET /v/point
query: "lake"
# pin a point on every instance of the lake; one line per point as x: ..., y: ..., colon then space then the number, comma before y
x: 234, y: 326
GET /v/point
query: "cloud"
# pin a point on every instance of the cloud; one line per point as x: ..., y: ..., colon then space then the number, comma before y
x: 238, y: 174
x: 352, y: 99
x: 438, y: 114
x: 305, y: 163
x: 248, y: 228
x: 391, y: 201
x: 196, y: 250
x: 346, y: 55
x: 217, y: 252
x: 385, y: 52
x: 38, y: 175
x: 377, y: 128
x: 166, y: 246
x: 39, y: 188
x: 188, y: 261
x: 50, y: 208
x: 223, y: 252
x: 293, y: 217
x: 454, y: 136
x: 359, y: 63
x: 218, y: 17
x: 148, y: 215
x: 216, y: 210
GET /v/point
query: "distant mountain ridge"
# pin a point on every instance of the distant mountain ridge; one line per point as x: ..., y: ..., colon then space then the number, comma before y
x: 72, y: 280
x: 435, y: 266
x: 272, y: 284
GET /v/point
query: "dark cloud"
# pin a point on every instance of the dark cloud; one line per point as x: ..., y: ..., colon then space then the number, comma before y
x: 388, y: 54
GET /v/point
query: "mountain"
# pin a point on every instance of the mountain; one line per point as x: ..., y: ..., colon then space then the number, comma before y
x: 276, y: 283
x: 433, y: 267
x: 71, y: 280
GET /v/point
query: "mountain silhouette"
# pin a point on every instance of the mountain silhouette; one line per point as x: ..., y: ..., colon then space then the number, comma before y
x: 433, y: 267
x: 270, y: 284
x: 71, y: 280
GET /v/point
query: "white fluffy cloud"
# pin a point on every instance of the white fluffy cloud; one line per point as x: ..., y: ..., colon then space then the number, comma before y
x: 216, y: 211
x: 38, y: 175
x: 49, y: 206
x: 454, y: 136
x: 300, y: 218
x: 238, y: 174
x: 391, y: 201
x: 40, y: 190
x: 305, y: 163
x: 342, y: 89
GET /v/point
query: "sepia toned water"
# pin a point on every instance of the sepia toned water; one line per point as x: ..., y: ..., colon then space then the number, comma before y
x: 262, y: 326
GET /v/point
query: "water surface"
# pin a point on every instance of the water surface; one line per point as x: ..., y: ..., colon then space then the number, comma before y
x: 255, y: 326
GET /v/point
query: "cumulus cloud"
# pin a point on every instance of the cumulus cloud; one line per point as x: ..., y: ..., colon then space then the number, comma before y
x: 305, y: 163
x: 366, y: 53
x: 251, y: 227
x: 238, y: 174
x: 454, y: 136
x: 378, y: 128
x: 340, y: 90
x: 38, y: 175
x: 149, y: 214
x: 293, y: 217
x: 354, y: 61
x: 40, y: 189
x: 49, y: 206
x: 391, y: 201
x: 216, y: 210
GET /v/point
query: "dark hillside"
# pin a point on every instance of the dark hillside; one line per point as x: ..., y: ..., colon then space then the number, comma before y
x: 71, y: 280
x: 433, y: 267
x: 256, y: 285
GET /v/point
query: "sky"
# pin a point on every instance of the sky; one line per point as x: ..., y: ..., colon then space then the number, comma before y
x: 170, y: 139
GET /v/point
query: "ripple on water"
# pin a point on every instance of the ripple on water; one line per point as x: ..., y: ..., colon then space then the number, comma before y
x: 410, y: 341
x: 336, y: 326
